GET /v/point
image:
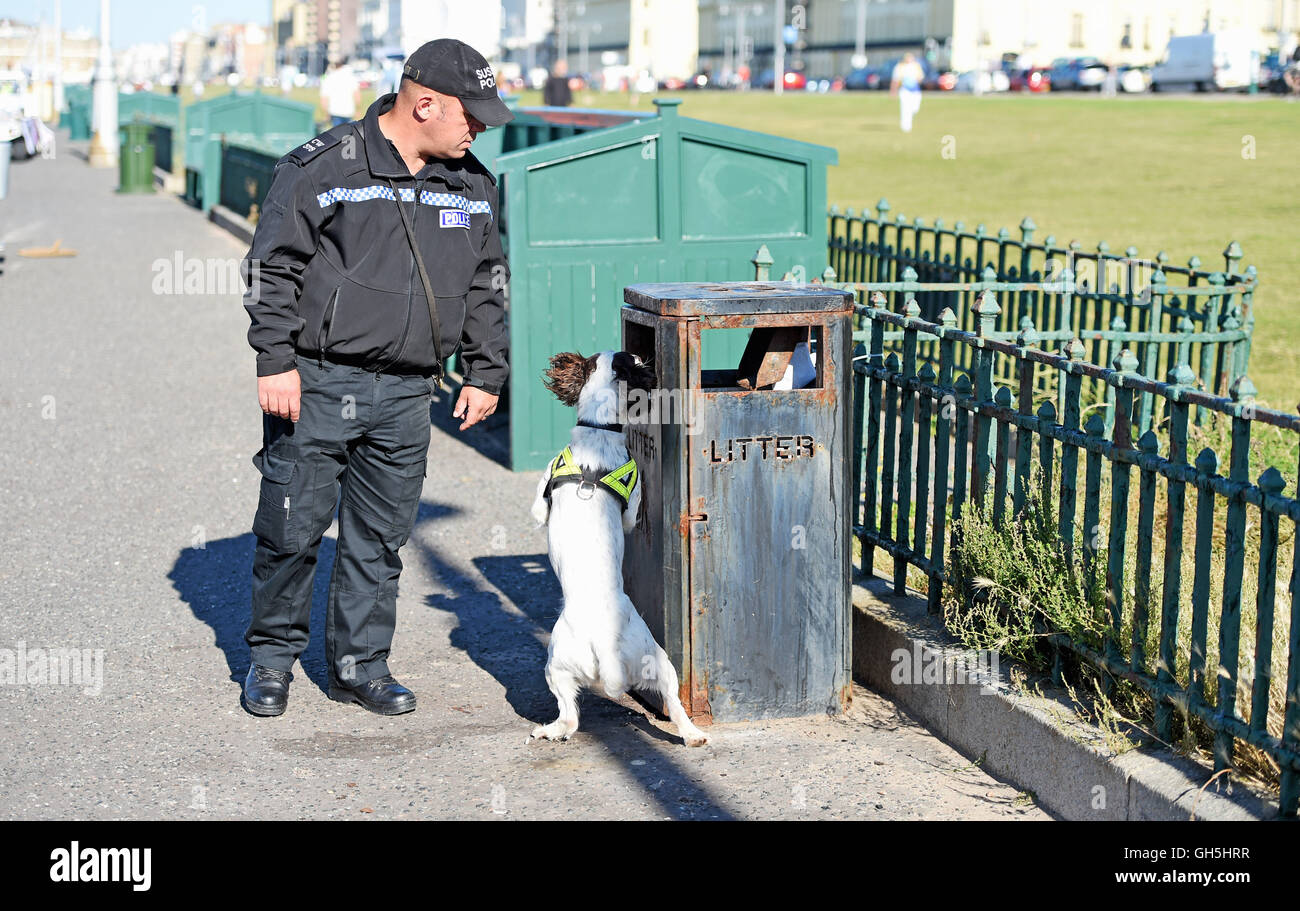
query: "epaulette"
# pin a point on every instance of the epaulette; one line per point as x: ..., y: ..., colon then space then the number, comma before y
x: 313, y: 147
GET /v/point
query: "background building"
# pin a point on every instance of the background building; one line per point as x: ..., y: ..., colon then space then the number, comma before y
x: 527, y: 27
x: 406, y: 24
x: 963, y: 34
x: 627, y: 37
x: 32, y: 48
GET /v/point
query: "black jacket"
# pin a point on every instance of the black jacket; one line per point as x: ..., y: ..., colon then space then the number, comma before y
x: 556, y: 93
x: 330, y: 270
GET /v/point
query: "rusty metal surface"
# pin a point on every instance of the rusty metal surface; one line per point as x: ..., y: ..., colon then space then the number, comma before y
x: 714, y: 298
x: 740, y: 564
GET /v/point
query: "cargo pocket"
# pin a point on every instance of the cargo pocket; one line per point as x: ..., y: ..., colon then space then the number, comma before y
x: 410, y: 484
x: 277, y: 520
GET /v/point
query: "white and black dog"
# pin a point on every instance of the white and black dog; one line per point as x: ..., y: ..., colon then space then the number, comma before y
x: 589, y: 499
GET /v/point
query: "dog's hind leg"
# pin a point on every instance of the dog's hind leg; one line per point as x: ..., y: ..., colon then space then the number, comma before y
x: 665, y: 683
x: 565, y: 687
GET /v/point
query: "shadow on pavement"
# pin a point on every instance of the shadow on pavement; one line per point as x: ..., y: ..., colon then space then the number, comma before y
x: 216, y: 582
x: 511, y: 649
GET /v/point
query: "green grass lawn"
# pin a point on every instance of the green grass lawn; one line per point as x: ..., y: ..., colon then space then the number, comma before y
x: 1157, y: 173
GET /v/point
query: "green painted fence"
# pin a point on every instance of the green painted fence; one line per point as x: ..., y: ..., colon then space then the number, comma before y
x: 77, y: 99
x: 534, y: 126
x: 246, y: 168
x: 1165, y: 313
x: 248, y: 119
x: 932, y: 442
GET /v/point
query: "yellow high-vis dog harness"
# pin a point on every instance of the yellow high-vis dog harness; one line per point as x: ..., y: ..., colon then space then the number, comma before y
x: 565, y: 470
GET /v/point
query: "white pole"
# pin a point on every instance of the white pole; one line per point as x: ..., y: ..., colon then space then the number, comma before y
x: 778, y: 56
x: 860, y: 32
x: 58, y: 55
x: 103, y: 145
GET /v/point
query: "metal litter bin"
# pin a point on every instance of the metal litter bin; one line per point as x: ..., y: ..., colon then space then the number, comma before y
x: 740, y: 559
x: 135, y: 163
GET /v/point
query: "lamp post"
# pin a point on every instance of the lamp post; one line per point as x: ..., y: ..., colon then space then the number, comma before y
x: 58, y: 57
x: 743, y: 44
x: 778, y: 48
x: 103, y: 145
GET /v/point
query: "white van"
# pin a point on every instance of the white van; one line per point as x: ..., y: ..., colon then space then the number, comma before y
x: 1207, y: 62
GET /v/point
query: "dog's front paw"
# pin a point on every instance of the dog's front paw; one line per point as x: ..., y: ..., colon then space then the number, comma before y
x: 556, y: 730
x: 541, y: 511
x: 698, y: 739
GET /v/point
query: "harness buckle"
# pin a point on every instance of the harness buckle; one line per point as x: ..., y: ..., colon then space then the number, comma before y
x: 589, y: 487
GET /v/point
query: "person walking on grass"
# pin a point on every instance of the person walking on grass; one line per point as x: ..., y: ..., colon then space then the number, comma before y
x: 340, y: 93
x: 556, y: 92
x: 906, y: 84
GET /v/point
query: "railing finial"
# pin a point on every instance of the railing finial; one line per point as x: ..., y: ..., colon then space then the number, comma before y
x: 1182, y: 375
x: 1207, y: 461
x: 1242, y: 391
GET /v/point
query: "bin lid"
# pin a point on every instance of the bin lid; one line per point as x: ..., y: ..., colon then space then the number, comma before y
x: 722, y: 298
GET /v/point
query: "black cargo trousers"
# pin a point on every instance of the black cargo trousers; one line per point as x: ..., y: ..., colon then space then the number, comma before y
x: 367, y: 435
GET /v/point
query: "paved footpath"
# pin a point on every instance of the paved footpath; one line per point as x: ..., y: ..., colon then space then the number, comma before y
x: 126, y: 495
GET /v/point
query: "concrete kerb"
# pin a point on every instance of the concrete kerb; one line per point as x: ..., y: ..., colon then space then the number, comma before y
x: 1037, y: 743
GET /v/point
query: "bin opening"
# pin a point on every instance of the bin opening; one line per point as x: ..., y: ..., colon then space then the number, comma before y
x: 775, y: 359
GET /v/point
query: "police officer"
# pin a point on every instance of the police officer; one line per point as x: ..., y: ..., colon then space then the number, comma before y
x: 356, y: 225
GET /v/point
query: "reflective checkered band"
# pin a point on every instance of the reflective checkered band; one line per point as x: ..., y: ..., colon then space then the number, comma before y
x: 427, y: 197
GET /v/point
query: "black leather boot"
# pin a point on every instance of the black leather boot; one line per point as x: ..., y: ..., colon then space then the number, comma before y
x: 266, y: 690
x: 383, y: 696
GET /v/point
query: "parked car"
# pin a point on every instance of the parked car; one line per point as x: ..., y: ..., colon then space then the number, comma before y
x: 1035, y: 79
x: 767, y: 79
x: 1134, y: 78
x: 939, y: 80
x: 1077, y: 74
x: 865, y: 79
x: 1207, y: 62
x: 987, y: 80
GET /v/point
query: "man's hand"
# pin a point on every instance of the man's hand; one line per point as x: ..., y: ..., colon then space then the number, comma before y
x: 280, y: 394
x: 474, y: 405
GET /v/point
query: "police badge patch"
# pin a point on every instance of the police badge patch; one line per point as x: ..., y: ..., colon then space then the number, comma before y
x: 453, y: 218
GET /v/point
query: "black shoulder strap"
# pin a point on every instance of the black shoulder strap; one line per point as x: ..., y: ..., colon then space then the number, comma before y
x: 313, y: 147
x: 424, y: 280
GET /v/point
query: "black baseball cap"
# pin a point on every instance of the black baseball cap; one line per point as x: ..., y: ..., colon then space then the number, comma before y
x: 454, y: 68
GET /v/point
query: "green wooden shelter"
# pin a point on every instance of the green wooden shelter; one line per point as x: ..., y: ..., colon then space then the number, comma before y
x: 665, y: 198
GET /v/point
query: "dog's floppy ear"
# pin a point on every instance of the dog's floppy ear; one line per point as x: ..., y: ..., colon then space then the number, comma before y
x: 568, y: 374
